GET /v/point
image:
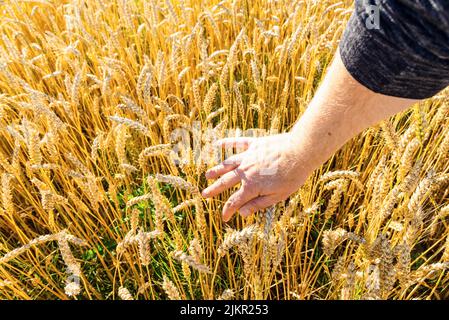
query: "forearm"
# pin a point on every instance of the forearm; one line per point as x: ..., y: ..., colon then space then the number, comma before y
x: 341, y: 109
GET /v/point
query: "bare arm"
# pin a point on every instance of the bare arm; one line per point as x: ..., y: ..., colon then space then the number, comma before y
x: 274, y: 167
x: 341, y: 109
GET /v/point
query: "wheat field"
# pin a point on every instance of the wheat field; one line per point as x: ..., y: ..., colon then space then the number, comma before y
x: 95, y: 204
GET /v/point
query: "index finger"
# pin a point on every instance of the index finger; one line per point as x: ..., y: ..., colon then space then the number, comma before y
x: 227, y: 181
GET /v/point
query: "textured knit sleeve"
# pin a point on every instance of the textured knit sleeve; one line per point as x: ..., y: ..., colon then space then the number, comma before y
x: 398, y: 47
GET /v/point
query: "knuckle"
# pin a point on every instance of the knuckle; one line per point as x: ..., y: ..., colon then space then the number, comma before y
x: 249, y: 188
x: 232, y: 203
x: 227, y: 161
x: 238, y: 172
x: 220, y: 183
x: 230, y: 161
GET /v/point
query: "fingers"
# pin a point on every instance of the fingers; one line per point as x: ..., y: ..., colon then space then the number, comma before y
x: 226, y: 181
x: 256, y: 204
x: 242, y: 143
x: 229, y: 164
x: 236, y: 201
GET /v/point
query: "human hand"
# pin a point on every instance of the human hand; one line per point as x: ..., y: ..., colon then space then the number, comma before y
x: 269, y: 170
x: 274, y: 167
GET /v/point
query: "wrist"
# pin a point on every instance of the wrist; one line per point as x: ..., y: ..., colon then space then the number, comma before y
x: 302, y: 156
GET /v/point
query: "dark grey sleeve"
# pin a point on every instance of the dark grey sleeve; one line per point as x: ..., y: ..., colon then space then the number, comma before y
x: 398, y: 47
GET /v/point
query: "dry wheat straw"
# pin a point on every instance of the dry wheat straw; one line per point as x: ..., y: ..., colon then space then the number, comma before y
x: 184, y: 205
x: 170, y: 289
x: 39, y: 240
x: 191, y: 261
x: 209, y: 99
x: 339, y: 186
x: 124, y: 294
x: 343, y: 174
x: 333, y: 238
x: 177, y: 182
x: 234, y: 238
x: 390, y: 135
x: 406, y: 161
x: 421, y: 191
x: 228, y: 294
x: 139, y: 199
x: 7, y: 197
x: 132, y: 124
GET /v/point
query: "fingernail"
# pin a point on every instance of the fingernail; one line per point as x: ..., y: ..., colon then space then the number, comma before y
x: 204, y: 193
